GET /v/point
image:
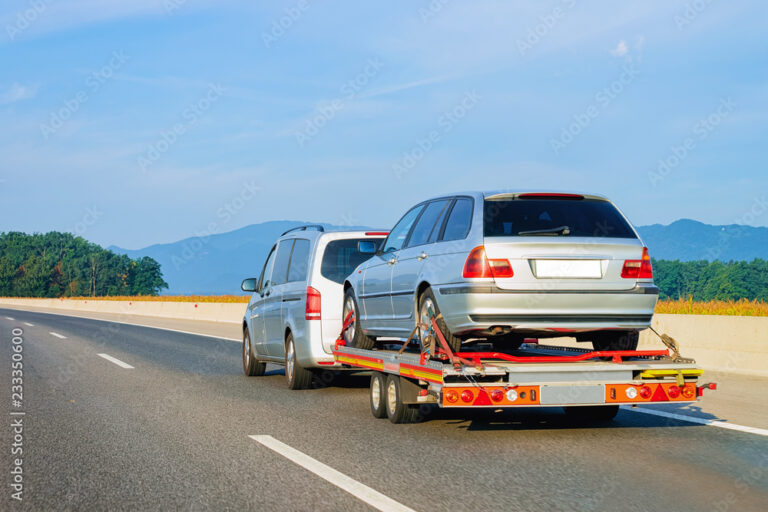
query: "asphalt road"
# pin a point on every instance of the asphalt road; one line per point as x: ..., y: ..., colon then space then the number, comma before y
x: 172, y: 432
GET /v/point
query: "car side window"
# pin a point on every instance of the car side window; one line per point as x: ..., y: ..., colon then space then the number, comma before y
x: 280, y: 271
x: 426, y: 223
x: 299, y: 265
x: 459, y: 220
x: 439, y: 224
x: 266, y: 271
x: 399, y: 233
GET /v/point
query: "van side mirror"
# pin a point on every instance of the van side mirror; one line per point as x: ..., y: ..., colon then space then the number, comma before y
x: 249, y: 285
x: 367, y: 247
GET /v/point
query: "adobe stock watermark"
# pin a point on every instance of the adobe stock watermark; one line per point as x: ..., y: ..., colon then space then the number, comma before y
x: 190, y: 116
x: 545, y: 24
x: 602, y: 99
x: 280, y: 26
x: 700, y: 131
x: 446, y: 122
x: 26, y: 18
x: 432, y: 9
x: 17, y: 414
x: 94, y: 81
x: 328, y: 110
x: 757, y: 209
x: 690, y: 12
x: 90, y: 217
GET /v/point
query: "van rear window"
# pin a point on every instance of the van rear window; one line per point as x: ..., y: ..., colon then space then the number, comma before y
x: 342, y: 257
x: 554, y: 217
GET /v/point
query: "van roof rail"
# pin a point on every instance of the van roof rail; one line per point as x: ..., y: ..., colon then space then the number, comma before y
x: 305, y: 227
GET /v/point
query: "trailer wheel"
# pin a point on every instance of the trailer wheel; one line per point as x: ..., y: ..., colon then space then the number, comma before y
x: 592, y: 413
x: 397, y: 411
x: 296, y: 376
x: 378, y: 395
x: 353, y: 336
x: 252, y: 367
x: 427, y: 301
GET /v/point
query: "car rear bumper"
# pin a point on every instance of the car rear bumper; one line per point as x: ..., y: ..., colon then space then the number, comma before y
x: 484, y: 309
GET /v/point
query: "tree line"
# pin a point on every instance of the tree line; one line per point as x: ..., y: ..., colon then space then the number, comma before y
x: 64, y: 265
x: 712, y: 280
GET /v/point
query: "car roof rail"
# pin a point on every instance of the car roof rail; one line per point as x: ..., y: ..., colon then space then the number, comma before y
x: 305, y: 227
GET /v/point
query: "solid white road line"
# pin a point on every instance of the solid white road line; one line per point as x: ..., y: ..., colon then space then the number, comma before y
x: 116, y: 361
x: 29, y: 324
x: 58, y: 335
x: 701, y: 421
x: 340, y: 480
x: 10, y: 318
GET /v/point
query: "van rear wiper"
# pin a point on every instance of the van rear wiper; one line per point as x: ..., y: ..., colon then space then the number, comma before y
x: 560, y: 230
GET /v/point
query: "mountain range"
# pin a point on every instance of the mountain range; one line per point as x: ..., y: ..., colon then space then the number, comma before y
x: 216, y: 264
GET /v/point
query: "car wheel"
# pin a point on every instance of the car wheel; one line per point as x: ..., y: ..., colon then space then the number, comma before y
x: 616, y: 340
x: 252, y: 367
x: 427, y: 302
x: 353, y: 336
x: 397, y: 411
x: 378, y: 392
x: 592, y: 413
x: 297, y: 376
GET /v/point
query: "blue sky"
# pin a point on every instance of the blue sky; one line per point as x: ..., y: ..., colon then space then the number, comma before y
x: 133, y: 123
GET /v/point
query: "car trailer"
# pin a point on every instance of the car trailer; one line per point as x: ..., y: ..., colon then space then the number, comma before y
x: 590, y: 385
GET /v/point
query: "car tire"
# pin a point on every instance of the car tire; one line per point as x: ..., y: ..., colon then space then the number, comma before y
x: 252, y: 367
x: 354, y: 336
x: 296, y: 376
x: 616, y: 340
x: 397, y: 411
x: 428, y: 297
x: 378, y: 392
x: 592, y: 413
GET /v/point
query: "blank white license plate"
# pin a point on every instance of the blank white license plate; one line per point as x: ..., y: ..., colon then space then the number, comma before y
x: 591, y: 269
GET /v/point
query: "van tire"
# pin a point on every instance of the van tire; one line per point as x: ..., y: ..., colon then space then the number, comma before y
x: 252, y: 367
x: 296, y: 376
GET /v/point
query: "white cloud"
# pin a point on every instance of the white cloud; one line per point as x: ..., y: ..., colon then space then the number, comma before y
x: 17, y: 92
x: 620, y: 50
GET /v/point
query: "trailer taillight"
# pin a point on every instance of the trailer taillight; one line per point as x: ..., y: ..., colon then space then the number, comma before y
x: 312, y: 310
x: 673, y: 391
x: 452, y: 396
x: 497, y: 395
x: 645, y: 392
x: 478, y: 265
x: 467, y: 396
x: 638, y: 269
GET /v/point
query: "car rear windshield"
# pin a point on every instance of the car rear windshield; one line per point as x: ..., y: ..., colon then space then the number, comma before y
x: 554, y: 217
x: 342, y: 257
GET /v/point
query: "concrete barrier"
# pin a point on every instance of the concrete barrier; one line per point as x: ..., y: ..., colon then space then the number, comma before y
x: 735, y: 344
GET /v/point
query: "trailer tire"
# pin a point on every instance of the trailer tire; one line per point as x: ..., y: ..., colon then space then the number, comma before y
x: 378, y: 393
x: 296, y: 376
x: 397, y: 411
x: 592, y: 413
x: 427, y: 298
x: 353, y: 336
x: 252, y: 367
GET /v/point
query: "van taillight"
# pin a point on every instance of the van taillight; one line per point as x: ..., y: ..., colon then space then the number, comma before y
x: 478, y: 265
x: 638, y: 269
x: 312, y: 311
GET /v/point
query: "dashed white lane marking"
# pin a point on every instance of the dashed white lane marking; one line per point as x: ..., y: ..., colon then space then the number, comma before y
x: 29, y: 324
x: 340, y: 480
x: 10, y: 318
x: 58, y: 335
x: 115, y: 360
x: 701, y: 421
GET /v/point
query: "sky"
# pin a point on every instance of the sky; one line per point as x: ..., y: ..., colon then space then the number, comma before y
x: 134, y: 123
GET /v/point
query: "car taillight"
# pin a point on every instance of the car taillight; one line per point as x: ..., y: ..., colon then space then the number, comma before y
x: 638, y: 269
x: 478, y: 265
x: 312, y: 311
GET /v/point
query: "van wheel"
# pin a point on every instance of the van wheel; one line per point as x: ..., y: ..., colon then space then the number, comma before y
x: 252, y: 367
x: 397, y: 411
x: 592, y: 413
x: 616, y: 340
x: 353, y: 336
x: 378, y: 394
x: 297, y: 376
x: 427, y: 302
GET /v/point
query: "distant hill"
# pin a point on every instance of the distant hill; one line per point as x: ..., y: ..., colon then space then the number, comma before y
x: 218, y: 263
x: 688, y: 240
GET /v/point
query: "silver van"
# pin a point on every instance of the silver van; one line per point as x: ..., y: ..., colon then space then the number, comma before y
x: 294, y: 315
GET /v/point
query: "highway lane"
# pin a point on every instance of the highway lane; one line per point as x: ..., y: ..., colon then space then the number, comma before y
x: 172, y: 432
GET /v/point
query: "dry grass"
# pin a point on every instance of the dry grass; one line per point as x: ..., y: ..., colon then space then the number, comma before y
x: 741, y: 307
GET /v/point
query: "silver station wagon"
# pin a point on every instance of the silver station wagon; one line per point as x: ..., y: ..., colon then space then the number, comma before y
x: 505, y: 266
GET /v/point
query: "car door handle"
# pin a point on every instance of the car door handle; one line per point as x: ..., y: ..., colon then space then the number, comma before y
x: 392, y: 261
x: 422, y: 256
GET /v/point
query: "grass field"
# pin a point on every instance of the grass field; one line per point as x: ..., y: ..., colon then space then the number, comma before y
x: 679, y: 307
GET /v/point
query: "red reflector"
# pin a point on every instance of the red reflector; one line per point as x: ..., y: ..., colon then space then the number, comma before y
x: 638, y: 269
x: 376, y: 233
x: 312, y: 310
x: 645, y: 392
x: 497, y: 395
x: 673, y: 391
x: 467, y: 396
x: 659, y: 395
x: 482, y: 398
x: 478, y: 265
x: 549, y: 195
